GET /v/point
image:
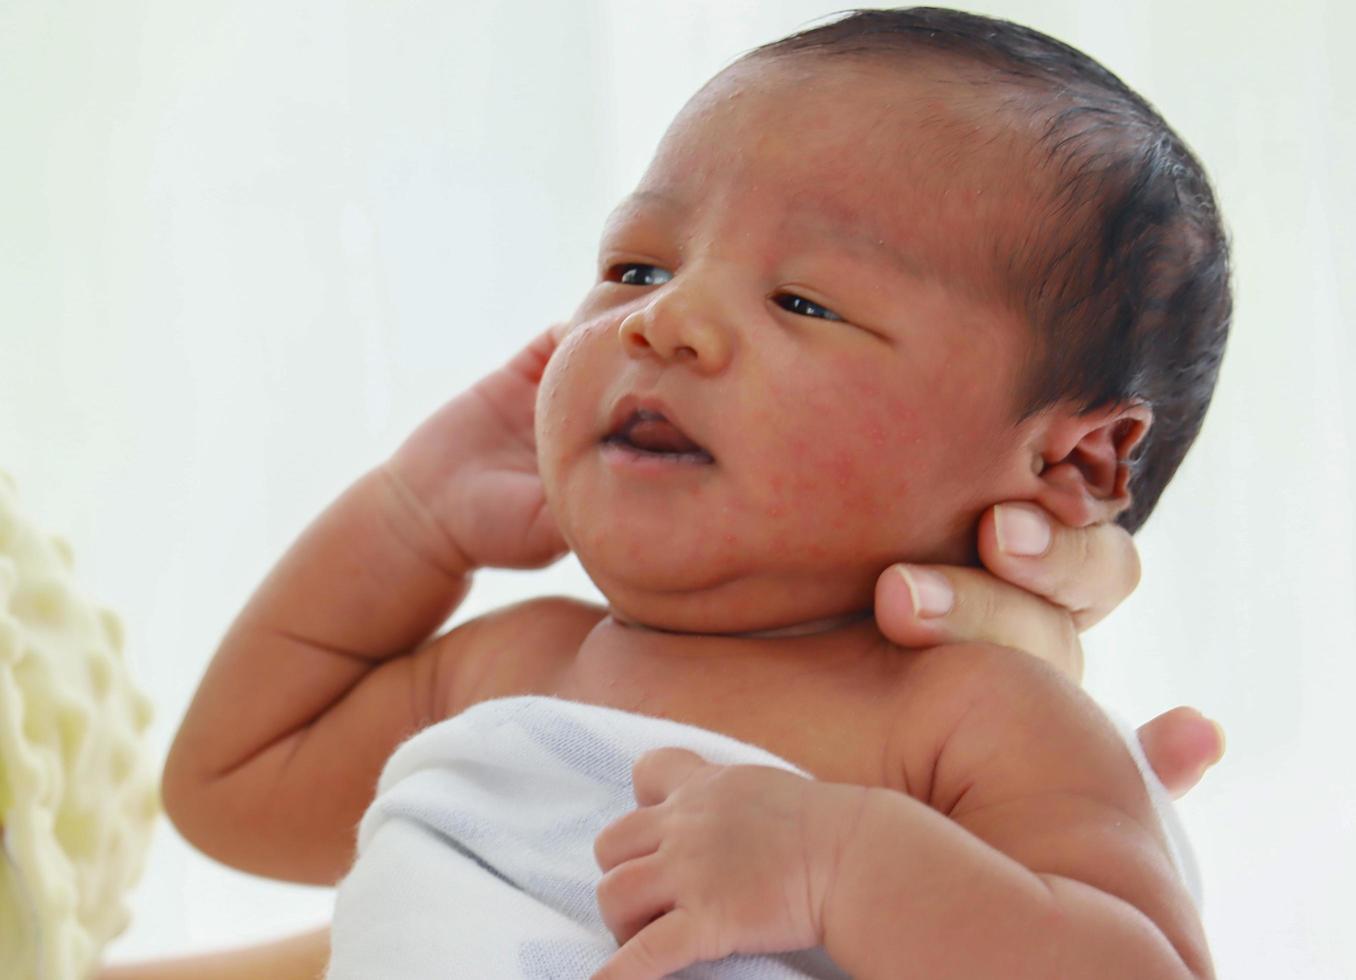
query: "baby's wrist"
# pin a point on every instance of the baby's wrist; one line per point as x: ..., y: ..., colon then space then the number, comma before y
x: 412, y: 522
x: 842, y: 814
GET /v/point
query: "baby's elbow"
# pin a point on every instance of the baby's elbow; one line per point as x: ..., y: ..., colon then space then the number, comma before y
x: 182, y: 790
x: 196, y: 803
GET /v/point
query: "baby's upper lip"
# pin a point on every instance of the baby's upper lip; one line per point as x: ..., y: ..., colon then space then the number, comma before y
x: 631, y: 410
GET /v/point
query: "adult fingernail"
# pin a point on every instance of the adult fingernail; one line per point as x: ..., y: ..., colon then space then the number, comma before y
x: 930, y: 592
x: 1022, y: 531
x: 1217, y: 741
x: 1219, y: 730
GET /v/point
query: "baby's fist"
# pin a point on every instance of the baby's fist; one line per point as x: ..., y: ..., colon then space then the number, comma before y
x: 717, y: 860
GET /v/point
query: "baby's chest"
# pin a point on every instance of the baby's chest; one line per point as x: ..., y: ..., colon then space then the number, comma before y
x: 836, y: 729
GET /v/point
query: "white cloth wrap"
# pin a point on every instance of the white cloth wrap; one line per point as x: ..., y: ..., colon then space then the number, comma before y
x: 476, y: 858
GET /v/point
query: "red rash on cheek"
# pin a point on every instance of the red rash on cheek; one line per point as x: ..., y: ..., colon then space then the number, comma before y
x: 831, y: 485
x: 872, y: 448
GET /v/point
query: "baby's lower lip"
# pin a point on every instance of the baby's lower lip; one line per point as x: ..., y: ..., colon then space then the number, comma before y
x: 619, y: 451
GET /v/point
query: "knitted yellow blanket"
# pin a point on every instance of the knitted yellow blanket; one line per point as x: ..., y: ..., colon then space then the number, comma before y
x: 78, y: 785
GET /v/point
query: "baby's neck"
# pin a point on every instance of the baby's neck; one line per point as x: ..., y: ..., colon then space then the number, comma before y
x: 808, y: 628
x: 618, y: 648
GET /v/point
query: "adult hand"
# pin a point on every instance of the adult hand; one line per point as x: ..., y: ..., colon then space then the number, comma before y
x: 1041, y: 585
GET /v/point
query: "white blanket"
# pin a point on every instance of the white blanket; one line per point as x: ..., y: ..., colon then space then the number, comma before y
x: 476, y: 858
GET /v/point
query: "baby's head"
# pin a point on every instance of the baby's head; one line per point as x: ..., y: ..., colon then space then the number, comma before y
x: 880, y: 276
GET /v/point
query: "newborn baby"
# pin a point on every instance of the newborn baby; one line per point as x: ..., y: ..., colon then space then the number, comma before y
x: 878, y: 277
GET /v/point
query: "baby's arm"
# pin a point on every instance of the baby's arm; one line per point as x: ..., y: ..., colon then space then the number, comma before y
x: 311, y: 688
x: 1037, y: 853
x: 301, y: 957
x: 329, y: 666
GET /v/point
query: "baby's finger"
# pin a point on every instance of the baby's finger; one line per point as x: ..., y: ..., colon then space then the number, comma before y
x: 658, y: 772
x: 632, y: 835
x: 632, y: 895
x: 530, y: 362
x: 665, y: 946
x: 1088, y: 571
x: 927, y: 605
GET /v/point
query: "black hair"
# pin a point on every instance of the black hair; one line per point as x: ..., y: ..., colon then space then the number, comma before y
x: 1128, y: 294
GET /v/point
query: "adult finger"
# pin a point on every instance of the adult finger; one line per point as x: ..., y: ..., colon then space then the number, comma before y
x: 928, y: 605
x: 1181, y: 745
x: 1088, y: 571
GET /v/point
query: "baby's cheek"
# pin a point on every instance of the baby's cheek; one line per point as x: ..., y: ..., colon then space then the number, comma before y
x: 849, y: 458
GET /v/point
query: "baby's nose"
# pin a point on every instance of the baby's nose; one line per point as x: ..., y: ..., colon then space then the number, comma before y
x: 674, y: 329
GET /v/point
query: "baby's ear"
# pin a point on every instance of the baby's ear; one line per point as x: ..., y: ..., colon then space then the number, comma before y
x: 1086, y: 474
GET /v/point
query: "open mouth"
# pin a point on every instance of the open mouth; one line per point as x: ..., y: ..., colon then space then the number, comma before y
x: 648, y: 433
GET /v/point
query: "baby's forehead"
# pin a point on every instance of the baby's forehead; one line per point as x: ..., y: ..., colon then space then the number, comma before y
x: 928, y: 159
x: 872, y: 103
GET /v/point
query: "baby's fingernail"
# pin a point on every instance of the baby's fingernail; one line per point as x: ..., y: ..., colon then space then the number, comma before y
x: 930, y: 591
x: 1022, y: 531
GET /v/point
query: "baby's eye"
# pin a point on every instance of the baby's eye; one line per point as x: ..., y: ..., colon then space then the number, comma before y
x: 801, y: 305
x: 639, y: 274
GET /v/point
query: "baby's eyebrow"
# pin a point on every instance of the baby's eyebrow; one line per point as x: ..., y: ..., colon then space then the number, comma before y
x: 823, y: 215
x: 654, y: 197
x: 637, y: 200
x: 861, y: 240
x: 830, y: 222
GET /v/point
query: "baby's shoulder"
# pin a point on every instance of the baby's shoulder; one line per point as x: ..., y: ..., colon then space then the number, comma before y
x: 977, y: 713
x: 1019, y: 757
x: 963, y: 671
x: 518, y: 649
x: 944, y: 685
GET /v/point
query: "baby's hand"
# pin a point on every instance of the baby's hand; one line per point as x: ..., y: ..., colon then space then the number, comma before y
x: 717, y: 860
x: 469, y: 473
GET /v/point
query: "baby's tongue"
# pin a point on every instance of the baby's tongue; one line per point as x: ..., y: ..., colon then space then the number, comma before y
x: 660, y: 436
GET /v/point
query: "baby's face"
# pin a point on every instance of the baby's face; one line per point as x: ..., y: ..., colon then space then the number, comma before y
x: 778, y: 385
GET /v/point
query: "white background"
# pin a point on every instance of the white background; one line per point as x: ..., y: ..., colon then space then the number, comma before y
x: 245, y: 247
